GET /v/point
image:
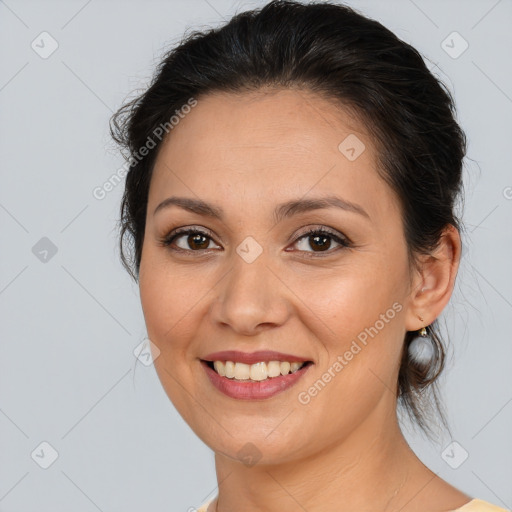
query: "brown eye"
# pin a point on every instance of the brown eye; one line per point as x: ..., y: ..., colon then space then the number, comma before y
x: 191, y: 240
x: 320, y: 241
x: 198, y: 241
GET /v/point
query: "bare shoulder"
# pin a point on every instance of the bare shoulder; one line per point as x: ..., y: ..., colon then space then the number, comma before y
x: 435, y: 495
x: 446, y: 496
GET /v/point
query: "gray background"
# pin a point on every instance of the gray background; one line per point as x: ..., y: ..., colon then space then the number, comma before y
x: 71, y: 320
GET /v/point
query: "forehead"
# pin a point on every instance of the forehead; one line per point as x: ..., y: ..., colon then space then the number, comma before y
x: 273, y: 120
x: 264, y: 144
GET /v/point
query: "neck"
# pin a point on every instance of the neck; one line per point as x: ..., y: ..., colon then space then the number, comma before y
x: 372, y: 469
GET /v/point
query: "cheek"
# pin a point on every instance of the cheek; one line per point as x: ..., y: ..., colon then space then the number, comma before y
x: 360, y: 323
x: 357, y: 314
x: 169, y: 299
x: 352, y: 298
x: 169, y: 292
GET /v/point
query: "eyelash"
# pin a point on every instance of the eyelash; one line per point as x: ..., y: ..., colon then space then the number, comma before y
x: 343, y: 242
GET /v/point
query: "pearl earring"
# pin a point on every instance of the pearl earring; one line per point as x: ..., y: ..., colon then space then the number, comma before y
x: 421, y: 348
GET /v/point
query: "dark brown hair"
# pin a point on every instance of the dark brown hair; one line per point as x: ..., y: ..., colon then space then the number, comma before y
x: 355, y: 62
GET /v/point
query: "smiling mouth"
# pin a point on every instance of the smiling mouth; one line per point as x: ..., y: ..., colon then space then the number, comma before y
x: 261, y: 371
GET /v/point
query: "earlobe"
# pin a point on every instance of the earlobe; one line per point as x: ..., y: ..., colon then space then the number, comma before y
x: 434, y: 280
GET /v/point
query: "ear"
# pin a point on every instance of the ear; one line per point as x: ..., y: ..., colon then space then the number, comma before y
x: 434, y: 280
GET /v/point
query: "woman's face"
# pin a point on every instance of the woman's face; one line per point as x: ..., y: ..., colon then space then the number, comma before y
x: 252, y: 280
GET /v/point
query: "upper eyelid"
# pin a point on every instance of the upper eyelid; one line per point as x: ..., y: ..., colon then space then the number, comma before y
x: 178, y: 232
x: 205, y: 231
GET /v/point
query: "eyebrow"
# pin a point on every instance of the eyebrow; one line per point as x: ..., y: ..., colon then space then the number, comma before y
x: 282, y: 211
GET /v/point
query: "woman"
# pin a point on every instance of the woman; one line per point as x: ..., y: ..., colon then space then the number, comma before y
x: 290, y: 208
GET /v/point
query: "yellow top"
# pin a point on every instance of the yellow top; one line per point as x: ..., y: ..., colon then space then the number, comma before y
x: 475, y: 505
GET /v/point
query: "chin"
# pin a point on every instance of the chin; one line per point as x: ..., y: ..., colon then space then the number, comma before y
x: 255, y: 445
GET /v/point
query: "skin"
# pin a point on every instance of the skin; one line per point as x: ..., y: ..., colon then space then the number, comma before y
x: 343, y: 451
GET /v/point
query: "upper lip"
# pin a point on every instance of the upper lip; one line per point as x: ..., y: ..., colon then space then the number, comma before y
x: 253, y: 357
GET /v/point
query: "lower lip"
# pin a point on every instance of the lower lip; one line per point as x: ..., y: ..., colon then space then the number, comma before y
x: 254, y: 390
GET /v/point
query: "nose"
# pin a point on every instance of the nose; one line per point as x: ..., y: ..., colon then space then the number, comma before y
x: 251, y: 298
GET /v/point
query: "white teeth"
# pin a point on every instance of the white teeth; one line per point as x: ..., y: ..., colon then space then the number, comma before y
x: 242, y: 371
x: 295, y: 366
x: 220, y: 368
x: 273, y: 368
x: 285, y: 368
x: 229, y: 368
x: 257, y: 372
